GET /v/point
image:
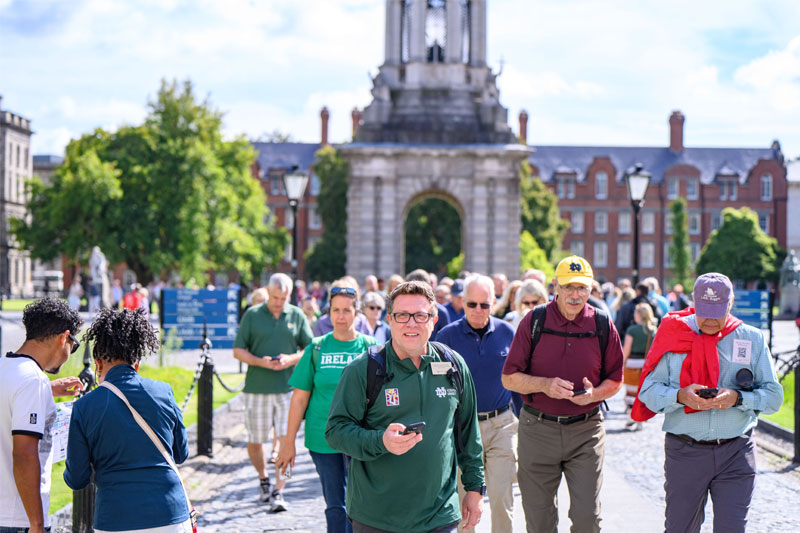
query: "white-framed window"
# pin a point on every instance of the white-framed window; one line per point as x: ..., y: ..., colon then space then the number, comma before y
x: 672, y: 188
x: 668, y: 222
x: 766, y: 187
x: 727, y: 189
x: 570, y: 188
x: 601, y: 185
x: 565, y: 188
x: 648, y: 222
x: 314, y: 220
x: 624, y: 223
x: 576, y: 248
x: 600, y: 257
x: 692, y: 189
x: 315, y: 185
x: 601, y: 222
x: 694, y: 223
x: 577, y: 222
x: 763, y: 223
x: 667, y: 259
x: 716, y: 220
x: 623, y: 254
x: 694, y: 251
x: 275, y: 184
x: 648, y: 255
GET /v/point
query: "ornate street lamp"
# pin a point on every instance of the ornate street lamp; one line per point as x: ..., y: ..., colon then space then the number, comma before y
x: 637, y: 180
x: 295, y: 183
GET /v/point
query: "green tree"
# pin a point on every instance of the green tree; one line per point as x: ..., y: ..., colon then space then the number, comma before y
x: 740, y: 250
x: 433, y: 236
x: 169, y: 195
x: 532, y: 256
x: 326, y: 260
x: 678, y: 251
x: 540, y: 215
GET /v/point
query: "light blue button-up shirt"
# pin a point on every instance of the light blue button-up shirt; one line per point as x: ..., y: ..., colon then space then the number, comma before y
x: 660, y: 389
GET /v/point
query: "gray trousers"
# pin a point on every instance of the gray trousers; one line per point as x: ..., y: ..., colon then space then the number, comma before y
x: 546, y: 451
x: 692, y: 471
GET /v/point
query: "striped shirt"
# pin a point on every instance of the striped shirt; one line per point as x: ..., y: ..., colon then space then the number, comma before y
x: 659, y: 391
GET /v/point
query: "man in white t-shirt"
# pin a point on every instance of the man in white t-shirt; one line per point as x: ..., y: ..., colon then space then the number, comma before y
x: 28, y: 412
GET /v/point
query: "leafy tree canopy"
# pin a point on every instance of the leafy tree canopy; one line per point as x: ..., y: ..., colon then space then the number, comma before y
x: 540, y: 215
x: 740, y: 250
x: 532, y: 256
x: 433, y: 236
x: 679, y: 247
x: 326, y: 260
x: 167, y: 195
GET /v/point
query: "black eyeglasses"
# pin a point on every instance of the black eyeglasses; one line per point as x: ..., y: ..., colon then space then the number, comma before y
x: 419, y: 318
x: 529, y: 302
x: 75, y: 343
x: 484, y: 305
x: 347, y: 291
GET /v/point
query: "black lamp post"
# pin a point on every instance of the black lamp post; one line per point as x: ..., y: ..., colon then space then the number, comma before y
x: 295, y: 183
x: 637, y: 180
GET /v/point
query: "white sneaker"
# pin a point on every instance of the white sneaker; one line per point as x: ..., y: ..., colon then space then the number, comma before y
x: 265, y: 492
x: 278, y: 503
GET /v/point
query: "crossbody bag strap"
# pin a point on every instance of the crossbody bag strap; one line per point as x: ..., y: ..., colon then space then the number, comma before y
x: 150, y: 433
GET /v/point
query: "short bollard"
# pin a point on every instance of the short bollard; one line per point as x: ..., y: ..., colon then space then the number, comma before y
x: 205, y: 409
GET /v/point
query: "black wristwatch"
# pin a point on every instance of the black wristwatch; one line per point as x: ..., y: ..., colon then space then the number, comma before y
x: 739, y: 398
x: 482, y: 489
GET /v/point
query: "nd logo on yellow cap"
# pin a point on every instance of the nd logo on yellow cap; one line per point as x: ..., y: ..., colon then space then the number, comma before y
x: 574, y: 269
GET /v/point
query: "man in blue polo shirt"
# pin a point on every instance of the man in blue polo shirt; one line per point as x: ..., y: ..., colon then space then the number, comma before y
x: 483, y: 341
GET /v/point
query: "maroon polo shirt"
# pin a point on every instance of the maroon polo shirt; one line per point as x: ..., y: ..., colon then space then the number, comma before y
x: 568, y: 358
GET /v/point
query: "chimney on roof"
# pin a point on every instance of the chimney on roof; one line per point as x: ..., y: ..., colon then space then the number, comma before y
x: 676, y: 131
x: 324, y: 115
x: 523, y: 127
x: 356, y: 115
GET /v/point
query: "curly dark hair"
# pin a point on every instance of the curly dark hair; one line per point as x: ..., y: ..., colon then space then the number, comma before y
x: 122, y: 335
x: 47, y: 317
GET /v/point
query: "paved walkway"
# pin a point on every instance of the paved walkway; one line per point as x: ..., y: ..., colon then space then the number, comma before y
x: 225, y: 489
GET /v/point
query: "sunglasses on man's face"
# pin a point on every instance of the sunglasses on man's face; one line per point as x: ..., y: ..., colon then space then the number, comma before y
x: 75, y: 343
x: 484, y: 305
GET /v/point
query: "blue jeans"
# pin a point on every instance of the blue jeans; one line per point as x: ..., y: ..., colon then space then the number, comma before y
x: 4, y: 529
x: 333, y: 476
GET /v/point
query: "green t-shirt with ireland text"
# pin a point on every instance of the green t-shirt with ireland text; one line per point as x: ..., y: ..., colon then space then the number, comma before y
x: 263, y: 335
x: 319, y: 371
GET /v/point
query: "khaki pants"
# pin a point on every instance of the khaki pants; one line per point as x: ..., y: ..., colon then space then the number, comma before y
x: 548, y: 449
x: 499, y: 438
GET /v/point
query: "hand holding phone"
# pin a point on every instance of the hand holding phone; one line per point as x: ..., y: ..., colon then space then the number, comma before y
x: 707, y: 393
x: 417, y: 427
x: 579, y: 392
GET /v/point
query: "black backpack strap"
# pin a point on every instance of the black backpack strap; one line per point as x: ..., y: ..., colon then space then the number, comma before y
x: 603, y: 332
x: 376, y: 375
x: 538, y: 316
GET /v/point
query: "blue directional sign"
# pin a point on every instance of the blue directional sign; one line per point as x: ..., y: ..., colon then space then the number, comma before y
x: 752, y: 307
x: 184, y: 311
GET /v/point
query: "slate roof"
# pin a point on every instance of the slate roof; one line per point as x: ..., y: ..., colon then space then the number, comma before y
x: 711, y: 162
x: 286, y: 155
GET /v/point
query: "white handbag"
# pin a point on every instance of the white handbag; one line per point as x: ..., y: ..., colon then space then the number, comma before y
x: 153, y: 437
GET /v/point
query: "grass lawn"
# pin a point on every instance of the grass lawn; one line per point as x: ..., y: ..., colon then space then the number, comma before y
x: 785, y: 416
x: 178, y: 378
x: 15, y: 305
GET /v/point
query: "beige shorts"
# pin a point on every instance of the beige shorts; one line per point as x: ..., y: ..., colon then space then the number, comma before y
x: 263, y: 412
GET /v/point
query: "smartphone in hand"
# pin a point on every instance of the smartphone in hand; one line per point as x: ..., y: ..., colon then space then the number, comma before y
x: 417, y: 427
x: 707, y: 393
x: 579, y: 392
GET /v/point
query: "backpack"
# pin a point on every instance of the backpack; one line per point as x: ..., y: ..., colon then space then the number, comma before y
x: 602, y: 333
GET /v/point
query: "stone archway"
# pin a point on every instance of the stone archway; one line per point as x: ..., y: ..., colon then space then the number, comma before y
x: 440, y: 234
x: 384, y: 178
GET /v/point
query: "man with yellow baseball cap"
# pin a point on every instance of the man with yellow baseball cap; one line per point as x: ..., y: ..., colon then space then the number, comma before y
x: 566, y: 358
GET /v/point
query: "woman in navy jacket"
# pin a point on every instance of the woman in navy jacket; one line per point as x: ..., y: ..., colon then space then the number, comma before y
x: 136, y: 487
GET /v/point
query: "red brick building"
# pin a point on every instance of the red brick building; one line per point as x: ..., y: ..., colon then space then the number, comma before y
x: 590, y: 185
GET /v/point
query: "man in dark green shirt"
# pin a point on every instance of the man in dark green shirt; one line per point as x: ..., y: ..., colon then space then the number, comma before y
x: 408, y: 482
x: 268, y: 340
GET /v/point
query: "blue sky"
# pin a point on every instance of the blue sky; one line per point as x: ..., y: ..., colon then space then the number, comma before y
x: 587, y: 72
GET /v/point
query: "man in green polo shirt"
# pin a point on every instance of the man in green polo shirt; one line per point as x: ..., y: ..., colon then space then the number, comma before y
x: 271, y: 339
x: 407, y: 482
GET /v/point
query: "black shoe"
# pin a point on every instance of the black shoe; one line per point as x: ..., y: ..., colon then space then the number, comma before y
x: 264, y: 490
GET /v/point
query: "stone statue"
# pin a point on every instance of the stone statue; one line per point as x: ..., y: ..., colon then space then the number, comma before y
x: 99, y: 288
x: 790, y: 286
x: 380, y: 89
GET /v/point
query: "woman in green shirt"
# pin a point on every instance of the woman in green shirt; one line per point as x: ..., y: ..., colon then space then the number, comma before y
x: 314, y: 380
x: 638, y: 339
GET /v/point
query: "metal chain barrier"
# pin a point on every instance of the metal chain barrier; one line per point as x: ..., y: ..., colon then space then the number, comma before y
x: 226, y: 387
x: 197, y: 373
x: 784, y: 366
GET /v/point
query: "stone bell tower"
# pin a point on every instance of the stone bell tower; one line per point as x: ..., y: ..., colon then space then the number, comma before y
x: 435, y: 128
